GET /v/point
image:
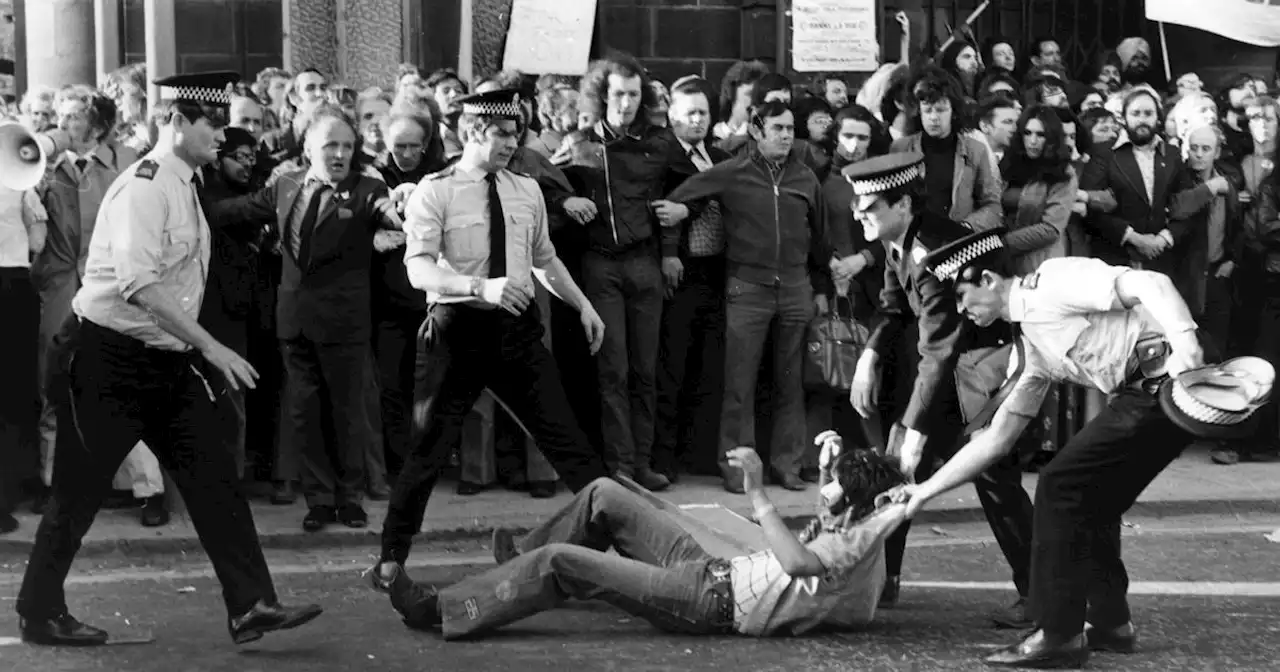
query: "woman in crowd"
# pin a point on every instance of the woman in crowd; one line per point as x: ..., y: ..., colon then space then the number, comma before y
x: 736, y: 89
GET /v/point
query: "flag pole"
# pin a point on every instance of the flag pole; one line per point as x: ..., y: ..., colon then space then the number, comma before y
x: 1164, y: 51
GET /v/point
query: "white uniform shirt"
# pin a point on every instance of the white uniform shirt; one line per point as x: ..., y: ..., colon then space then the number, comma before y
x: 150, y: 230
x: 1074, y: 329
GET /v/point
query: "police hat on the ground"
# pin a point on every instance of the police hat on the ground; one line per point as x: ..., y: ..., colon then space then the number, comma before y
x: 946, y: 262
x: 206, y: 88
x: 1219, y: 401
x: 500, y: 103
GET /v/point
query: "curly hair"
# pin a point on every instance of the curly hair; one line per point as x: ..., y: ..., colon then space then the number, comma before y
x: 863, y: 475
x: 931, y: 84
x: 739, y: 74
x: 1054, y: 162
x: 807, y: 107
x: 880, y: 139
x: 594, y: 87
x: 99, y: 108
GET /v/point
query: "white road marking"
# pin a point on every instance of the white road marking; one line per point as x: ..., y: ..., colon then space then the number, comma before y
x: 10, y: 641
x: 1197, y: 588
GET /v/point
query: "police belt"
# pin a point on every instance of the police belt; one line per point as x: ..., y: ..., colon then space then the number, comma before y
x: 1151, y: 353
x: 719, y: 578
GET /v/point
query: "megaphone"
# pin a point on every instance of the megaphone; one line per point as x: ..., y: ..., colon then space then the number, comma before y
x: 25, y: 155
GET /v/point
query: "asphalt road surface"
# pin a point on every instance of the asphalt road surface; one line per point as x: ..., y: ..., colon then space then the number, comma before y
x: 1205, y: 597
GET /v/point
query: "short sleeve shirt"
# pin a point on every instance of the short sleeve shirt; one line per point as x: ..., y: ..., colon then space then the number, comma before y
x: 447, y: 220
x: 1074, y: 329
x: 770, y: 602
x: 150, y: 230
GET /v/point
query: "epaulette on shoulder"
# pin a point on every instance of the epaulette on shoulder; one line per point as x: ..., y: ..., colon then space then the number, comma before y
x: 440, y: 174
x: 146, y: 169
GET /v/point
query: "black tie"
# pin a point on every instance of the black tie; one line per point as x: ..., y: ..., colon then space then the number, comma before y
x: 302, y: 240
x: 497, y: 230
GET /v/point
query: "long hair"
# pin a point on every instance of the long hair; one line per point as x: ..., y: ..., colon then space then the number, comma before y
x: 805, y: 108
x: 1052, y: 167
x: 594, y: 87
x: 738, y: 74
x: 864, y: 475
x: 880, y: 140
x: 931, y: 84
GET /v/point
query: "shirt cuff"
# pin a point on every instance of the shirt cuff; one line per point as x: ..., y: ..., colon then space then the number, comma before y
x: 1166, y: 236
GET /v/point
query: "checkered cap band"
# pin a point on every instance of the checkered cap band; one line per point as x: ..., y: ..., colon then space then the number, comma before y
x: 502, y: 109
x: 882, y: 183
x: 196, y: 94
x: 947, y: 269
x: 1202, y: 412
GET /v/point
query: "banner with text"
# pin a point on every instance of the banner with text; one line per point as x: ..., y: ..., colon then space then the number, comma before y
x: 834, y: 36
x: 1255, y: 22
x: 550, y: 37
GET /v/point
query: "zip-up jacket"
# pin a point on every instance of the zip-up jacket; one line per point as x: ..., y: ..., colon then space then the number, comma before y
x: 623, y: 175
x: 774, y: 219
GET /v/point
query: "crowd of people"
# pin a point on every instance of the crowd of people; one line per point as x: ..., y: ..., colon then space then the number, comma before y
x: 704, y: 326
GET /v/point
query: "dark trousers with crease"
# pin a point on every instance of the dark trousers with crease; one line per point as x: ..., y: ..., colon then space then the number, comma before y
x: 1005, y: 503
x: 691, y: 369
x: 1076, y: 570
x: 461, y: 351
x: 110, y: 391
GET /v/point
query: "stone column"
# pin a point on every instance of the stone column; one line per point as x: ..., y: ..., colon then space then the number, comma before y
x: 162, y: 48
x: 60, y: 43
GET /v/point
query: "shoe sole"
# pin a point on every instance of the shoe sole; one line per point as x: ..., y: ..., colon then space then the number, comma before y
x: 289, y: 624
x: 1075, y: 661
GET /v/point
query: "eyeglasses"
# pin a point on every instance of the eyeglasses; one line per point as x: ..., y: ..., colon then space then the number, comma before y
x: 245, y: 158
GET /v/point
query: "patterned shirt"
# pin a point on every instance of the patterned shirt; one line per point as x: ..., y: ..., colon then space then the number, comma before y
x: 706, y: 233
x: 768, y: 601
x: 1074, y: 329
x: 150, y: 230
x: 447, y: 219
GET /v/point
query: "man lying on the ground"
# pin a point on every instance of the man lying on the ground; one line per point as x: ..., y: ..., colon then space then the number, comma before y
x: 830, y: 575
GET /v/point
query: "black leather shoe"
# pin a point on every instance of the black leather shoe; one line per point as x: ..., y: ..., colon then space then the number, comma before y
x: 263, y: 618
x: 651, y: 480
x: 504, y: 545
x: 419, y: 604
x: 542, y: 489
x: 467, y: 488
x: 154, y: 514
x: 1123, y: 639
x: 889, y: 594
x: 319, y: 517
x: 380, y: 492
x: 1014, y: 617
x: 1038, y: 651
x: 62, y: 630
x: 283, y: 494
x: 353, y: 516
x: 7, y: 523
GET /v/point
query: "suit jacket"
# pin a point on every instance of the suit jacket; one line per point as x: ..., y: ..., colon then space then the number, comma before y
x: 281, y: 145
x: 975, y: 184
x: 1193, y: 258
x: 678, y: 236
x: 910, y: 290
x: 325, y: 292
x: 1175, y: 198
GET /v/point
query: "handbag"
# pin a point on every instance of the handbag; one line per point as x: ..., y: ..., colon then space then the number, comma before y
x: 834, y: 344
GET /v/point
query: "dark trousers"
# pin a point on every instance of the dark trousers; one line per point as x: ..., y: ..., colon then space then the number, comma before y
x: 1005, y: 503
x: 691, y: 369
x: 1267, y: 346
x: 1215, y: 318
x: 627, y: 292
x: 19, y: 394
x: 461, y: 351
x: 395, y: 344
x: 751, y: 312
x: 111, y: 392
x: 577, y: 368
x: 1076, y: 570
x: 327, y: 423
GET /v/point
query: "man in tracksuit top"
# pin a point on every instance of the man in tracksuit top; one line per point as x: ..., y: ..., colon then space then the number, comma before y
x: 777, y: 257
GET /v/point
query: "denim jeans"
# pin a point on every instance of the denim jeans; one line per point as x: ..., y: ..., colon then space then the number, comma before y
x: 627, y: 292
x: 750, y: 312
x: 660, y: 573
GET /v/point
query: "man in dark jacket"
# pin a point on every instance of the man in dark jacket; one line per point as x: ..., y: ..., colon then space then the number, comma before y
x: 776, y: 257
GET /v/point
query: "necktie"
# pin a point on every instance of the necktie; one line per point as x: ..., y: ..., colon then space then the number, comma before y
x: 81, y: 164
x: 299, y: 241
x: 497, y: 230
x: 699, y: 160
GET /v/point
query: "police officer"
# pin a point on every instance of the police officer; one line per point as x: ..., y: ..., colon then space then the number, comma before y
x: 476, y: 232
x: 959, y: 366
x: 134, y: 364
x: 1110, y: 328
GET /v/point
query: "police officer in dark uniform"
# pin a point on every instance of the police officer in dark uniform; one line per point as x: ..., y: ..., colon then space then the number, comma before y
x: 133, y: 363
x: 475, y: 234
x: 960, y: 366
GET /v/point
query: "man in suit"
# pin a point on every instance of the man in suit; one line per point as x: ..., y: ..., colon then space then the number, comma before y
x: 891, y: 204
x: 1154, y: 194
x: 690, y: 365
x: 328, y: 215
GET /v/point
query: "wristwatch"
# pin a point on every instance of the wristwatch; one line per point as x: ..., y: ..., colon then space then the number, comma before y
x: 477, y: 285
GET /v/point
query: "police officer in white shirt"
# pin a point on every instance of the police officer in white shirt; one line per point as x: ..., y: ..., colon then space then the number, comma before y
x: 1111, y: 328
x: 135, y: 364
